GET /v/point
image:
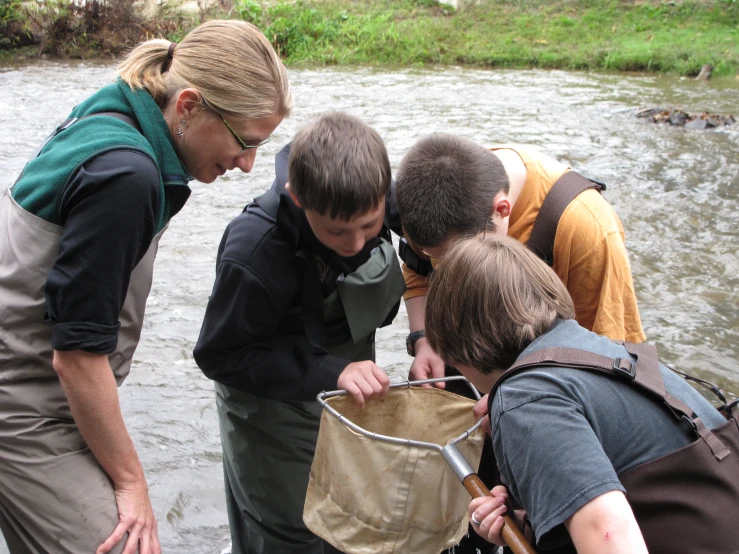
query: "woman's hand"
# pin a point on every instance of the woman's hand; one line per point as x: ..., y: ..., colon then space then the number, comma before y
x: 136, y: 517
x: 92, y: 393
x: 364, y: 381
x: 489, y: 511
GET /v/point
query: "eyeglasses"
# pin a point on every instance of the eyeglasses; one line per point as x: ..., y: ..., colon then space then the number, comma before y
x: 234, y: 134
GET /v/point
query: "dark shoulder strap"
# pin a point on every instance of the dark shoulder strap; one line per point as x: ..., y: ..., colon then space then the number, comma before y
x: 644, y: 374
x: 563, y: 191
x: 67, y: 123
x: 414, y: 261
x: 121, y: 116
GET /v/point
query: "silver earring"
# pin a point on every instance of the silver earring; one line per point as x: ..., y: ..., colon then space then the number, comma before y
x: 180, y: 132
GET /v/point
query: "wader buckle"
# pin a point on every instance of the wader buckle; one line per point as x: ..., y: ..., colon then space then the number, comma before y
x: 624, y: 367
x: 726, y: 409
x: 689, y: 421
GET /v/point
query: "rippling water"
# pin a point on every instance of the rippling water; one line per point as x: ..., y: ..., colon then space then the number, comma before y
x: 676, y: 191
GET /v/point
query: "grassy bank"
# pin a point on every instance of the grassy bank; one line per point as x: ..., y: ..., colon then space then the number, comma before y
x: 673, y: 37
x: 577, y: 34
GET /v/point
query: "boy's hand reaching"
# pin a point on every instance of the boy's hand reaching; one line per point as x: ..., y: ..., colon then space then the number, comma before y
x: 427, y: 364
x: 481, y: 411
x: 364, y: 381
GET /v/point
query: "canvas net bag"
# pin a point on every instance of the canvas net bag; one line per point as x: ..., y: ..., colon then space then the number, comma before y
x: 366, y: 495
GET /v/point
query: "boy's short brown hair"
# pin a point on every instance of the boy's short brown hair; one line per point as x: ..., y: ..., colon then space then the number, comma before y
x: 488, y: 299
x: 338, y: 165
x: 445, y: 186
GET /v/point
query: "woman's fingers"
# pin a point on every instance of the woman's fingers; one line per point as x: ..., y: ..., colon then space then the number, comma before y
x: 382, y: 379
x: 481, y: 408
x: 118, y: 533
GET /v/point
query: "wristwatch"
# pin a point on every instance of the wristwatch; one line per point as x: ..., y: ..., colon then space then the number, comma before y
x: 411, y: 339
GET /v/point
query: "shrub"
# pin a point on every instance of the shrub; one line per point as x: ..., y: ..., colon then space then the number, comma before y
x: 13, y: 30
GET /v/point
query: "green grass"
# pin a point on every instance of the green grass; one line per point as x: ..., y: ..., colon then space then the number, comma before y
x: 626, y: 35
x: 581, y: 34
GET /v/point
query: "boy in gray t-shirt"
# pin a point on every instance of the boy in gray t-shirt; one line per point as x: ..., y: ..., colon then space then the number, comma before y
x: 566, y: 434
x: 563, y: 437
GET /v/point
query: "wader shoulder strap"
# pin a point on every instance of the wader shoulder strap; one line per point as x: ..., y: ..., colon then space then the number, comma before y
x: 563, y: 191
x: 644, y: 374
x: 414, y: 261
x: 121, y: 116
x: 71, y: 121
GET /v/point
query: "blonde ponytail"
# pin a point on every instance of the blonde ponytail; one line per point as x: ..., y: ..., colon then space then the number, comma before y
x: 144, y: 68
x: 230, y: 62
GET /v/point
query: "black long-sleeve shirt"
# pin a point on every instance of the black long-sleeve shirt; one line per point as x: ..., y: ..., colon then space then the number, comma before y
x: 109, y: 214
x: 258, y: 281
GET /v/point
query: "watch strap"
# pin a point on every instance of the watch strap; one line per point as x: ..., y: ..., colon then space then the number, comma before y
x: 411, y: 339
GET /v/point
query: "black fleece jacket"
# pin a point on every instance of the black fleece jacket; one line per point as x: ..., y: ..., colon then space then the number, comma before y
x: 257, y: 289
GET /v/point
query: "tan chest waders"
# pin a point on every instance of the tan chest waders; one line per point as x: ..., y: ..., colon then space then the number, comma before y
x: 49, y: 479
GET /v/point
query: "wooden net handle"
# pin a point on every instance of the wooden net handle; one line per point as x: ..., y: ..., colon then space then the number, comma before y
x: 511, y: 533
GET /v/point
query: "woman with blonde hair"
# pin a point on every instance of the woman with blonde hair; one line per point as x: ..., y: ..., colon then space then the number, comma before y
x: 606, y: 449
x: 78, y: 235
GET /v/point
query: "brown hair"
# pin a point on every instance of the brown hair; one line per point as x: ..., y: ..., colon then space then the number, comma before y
x: 339, y: 165
x: 488, y: 299
x: 445, y: 186
x: 230, y: 62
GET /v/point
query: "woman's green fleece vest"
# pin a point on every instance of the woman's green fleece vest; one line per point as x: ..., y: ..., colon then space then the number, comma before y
x: 30, y: 236
x: 45, y: 177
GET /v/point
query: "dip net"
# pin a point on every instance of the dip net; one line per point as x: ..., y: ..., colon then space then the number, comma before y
x: 379, y: 483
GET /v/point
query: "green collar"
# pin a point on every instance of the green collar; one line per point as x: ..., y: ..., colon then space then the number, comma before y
x: 155, y: 129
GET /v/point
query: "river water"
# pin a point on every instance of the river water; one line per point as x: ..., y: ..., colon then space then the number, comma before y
x: 676, y: 191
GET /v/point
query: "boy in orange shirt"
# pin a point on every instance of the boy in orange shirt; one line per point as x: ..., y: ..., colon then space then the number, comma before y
x: 448, y: 187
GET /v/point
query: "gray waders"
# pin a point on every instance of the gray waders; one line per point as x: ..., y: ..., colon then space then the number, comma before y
x: 54, y: 495
x: 268, y: 445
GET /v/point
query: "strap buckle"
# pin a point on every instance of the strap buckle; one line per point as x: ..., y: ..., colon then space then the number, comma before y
x: 601, y: 183
x: 624, y: 367
x: 689, y: 421
x: 726, y: 409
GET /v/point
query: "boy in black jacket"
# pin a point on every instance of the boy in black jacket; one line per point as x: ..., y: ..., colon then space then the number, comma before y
x: 305, y: 275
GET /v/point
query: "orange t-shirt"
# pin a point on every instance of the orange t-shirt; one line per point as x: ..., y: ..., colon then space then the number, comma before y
x: 589, y: 252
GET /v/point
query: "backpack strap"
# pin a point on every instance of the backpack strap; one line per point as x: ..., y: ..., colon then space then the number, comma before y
x: 563, y: 191
x: 644, y: 374
x: 731, y: 410
x: 414, y: 261
x: 717, y: 391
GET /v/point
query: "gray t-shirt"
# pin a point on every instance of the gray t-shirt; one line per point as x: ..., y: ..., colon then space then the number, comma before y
x: 561, y: 436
